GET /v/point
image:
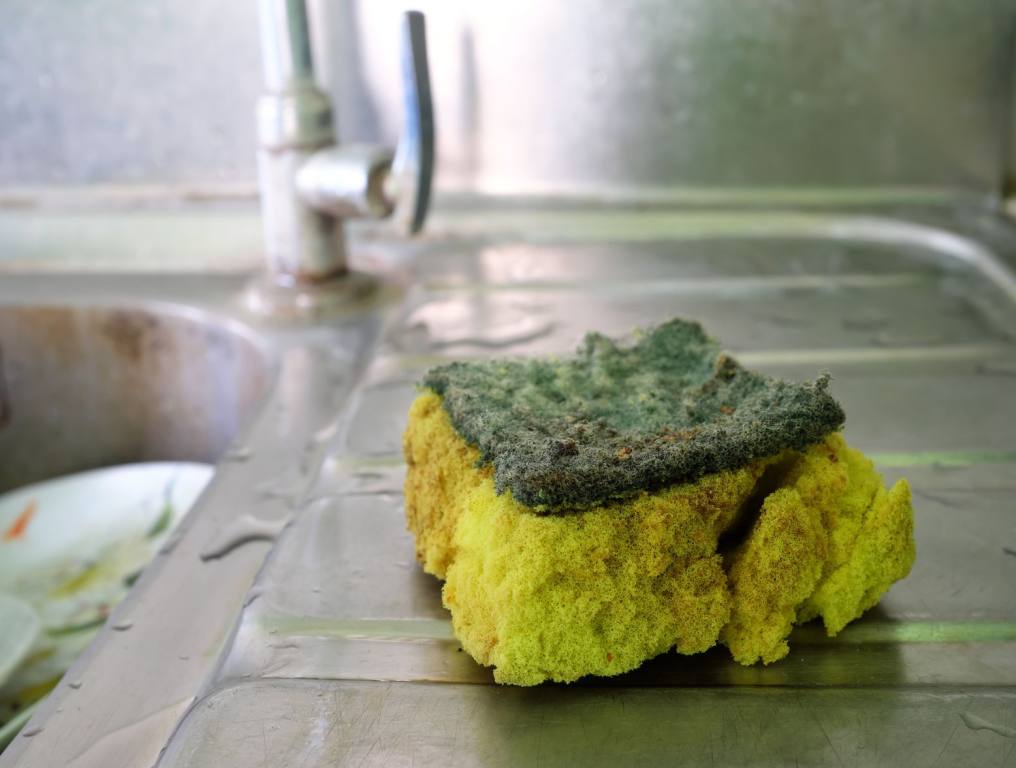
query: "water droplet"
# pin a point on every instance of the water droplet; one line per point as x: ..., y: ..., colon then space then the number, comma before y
x: 288, y: 492
x: 238, y: 454
x: 30, y: 732
x: 170, y: 544
x: 450, y: 323
x: 183, y: 658
x: 327, y: 432
x: 243, y: 530
x: 75, y: 684
x: 975, y: 723
x: 123, y: 626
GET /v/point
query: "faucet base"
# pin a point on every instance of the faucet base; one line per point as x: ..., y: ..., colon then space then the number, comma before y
x: 350, y: 293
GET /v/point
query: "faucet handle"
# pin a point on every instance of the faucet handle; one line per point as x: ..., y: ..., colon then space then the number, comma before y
x: 413, y: 168
x: 361, y: 180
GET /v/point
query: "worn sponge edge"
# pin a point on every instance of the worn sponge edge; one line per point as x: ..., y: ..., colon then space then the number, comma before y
x: 829, y: 543
x: 599, y: 592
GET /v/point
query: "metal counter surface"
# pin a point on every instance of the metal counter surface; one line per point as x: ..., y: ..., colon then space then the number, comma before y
x: 340, y: 651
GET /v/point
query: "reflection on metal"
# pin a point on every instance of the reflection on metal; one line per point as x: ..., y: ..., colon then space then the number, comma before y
x: 643, y: 94
x: 582, y: 97
x: 324, y: 723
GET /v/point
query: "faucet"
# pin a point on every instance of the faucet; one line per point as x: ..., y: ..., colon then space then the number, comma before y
x: 309, y: 183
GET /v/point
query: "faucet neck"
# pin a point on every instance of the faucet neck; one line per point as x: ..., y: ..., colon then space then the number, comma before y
x: 294, y: 120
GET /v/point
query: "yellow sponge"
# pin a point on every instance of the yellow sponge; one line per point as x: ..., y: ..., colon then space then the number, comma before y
x: 597, y: 592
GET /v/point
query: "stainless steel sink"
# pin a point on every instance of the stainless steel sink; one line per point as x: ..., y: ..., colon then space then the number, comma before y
x: 90, y: 385
x: 290, y: 626
x: 108, y: 367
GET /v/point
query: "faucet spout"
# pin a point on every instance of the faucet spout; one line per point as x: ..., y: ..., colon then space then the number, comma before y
x: 309, y: 184
x: 285, y: 43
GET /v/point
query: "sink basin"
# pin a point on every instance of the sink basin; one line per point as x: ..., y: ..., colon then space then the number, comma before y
x: 90, y: 386
x: 289, y: 625
x: 102, y: 368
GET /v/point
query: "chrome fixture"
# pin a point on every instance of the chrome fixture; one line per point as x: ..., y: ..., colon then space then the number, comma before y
x: 309, y: 183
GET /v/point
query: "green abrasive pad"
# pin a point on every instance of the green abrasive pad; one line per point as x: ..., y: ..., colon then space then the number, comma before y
x: 617, y: 419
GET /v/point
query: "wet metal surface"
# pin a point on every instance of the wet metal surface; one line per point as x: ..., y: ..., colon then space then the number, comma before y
x: 286, y: 722
x: 341, y: 652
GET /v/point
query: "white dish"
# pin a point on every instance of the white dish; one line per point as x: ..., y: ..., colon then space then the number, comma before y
x: 71, y: 547
x: 21, y: 627
x: 53, y: 529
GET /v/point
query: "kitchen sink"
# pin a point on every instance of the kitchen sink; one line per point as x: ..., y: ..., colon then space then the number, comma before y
x: 89, y: 386
x: 290, y: 625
